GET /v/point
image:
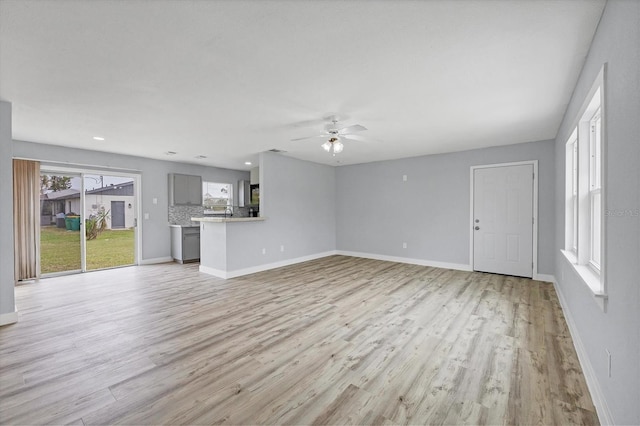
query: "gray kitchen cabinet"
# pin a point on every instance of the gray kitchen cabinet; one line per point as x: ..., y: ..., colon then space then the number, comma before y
x: 185, y: 190
x: 185, y: 243
x: 255, y: 176
x: 244, y: 193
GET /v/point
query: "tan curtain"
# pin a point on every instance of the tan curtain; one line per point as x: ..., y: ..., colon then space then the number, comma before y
x: 26, y: 218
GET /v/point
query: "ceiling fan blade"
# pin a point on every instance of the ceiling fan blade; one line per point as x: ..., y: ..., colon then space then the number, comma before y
x: 351, y: 129
x: 310, y: 137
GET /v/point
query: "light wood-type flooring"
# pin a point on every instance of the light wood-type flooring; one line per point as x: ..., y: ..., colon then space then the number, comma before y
x: 338, y: 340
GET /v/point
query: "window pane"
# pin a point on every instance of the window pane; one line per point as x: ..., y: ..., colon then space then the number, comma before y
x: 575, y: 196
x: 571, y: 185
x: 597, y: 151
x: 575, y: 224
x: 595, y: 228
x: 594, y: 151
x: 574, y: 168
x: 216, y: 196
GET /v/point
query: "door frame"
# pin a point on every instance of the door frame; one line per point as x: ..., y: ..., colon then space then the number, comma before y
x: 534, y: 163
x: 81, y: 171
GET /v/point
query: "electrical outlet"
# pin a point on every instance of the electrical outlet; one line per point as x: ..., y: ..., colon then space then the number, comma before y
x: 146, y: 216
x: 404, y: 245
x: 264, y: 251
x: 281, y: 248
x: 608, y: 362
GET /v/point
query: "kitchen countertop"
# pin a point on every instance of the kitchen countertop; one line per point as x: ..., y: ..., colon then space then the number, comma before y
x: 173, y: 225
x: 228, y: 219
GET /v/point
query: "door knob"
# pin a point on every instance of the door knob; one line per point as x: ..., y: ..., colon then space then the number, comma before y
x: 477, y: 228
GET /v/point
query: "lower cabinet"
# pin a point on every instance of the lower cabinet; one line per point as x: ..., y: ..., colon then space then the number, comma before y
x: 185, y: 243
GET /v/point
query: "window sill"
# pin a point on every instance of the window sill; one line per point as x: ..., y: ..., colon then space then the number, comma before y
x: 588, y: 276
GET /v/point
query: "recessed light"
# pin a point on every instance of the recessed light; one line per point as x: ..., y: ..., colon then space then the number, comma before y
x: 201, y: 157
x: 247, y: 163
x: 170, y: 153
x: 98, y: 138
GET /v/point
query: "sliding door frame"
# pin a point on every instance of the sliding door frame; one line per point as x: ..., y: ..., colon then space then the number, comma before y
x: 81, y: 171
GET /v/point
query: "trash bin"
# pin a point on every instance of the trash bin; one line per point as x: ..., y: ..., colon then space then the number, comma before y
x: 72, y: 223
x: 60, y: 223
x: 75, y: 223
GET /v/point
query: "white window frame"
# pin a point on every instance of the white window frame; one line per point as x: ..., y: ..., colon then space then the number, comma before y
x: 585, y: 225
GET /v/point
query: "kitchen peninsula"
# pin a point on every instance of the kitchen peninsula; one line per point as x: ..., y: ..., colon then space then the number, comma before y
x: 224, y: 242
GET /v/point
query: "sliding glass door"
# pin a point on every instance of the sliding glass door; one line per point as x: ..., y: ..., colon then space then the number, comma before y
x: 88, y: 221
x: 110, y: 207
x: 60, y: 220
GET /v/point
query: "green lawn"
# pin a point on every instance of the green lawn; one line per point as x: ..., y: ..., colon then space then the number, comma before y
x: 60, y: 249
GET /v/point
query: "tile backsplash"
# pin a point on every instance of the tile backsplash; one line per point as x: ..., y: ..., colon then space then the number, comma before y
x: 181, y: 215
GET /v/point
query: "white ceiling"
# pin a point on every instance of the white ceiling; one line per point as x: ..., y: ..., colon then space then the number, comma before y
x: 230, y: 79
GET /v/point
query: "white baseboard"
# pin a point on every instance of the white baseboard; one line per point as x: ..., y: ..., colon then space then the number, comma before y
x: 599, y: 401
x: 155, y: 260
x: 215, y: 272
x: 544, y: 277
x: 259, y: 268
x: 9, y: 318
x: 435, y: 264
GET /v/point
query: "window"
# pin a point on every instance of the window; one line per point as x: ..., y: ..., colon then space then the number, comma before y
x: 595, y: 189
x: 584, y: 191
x: 217, y: 198
x: 571, y: 219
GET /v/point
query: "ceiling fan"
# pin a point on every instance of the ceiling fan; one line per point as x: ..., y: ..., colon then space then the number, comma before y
x: 334, y: 134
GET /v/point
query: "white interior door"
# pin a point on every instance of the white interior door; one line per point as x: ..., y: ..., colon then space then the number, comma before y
x: 503, y: 220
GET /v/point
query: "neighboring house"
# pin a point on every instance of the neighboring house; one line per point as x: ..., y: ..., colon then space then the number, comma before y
x: 117, y: 199
x: 52, y: 203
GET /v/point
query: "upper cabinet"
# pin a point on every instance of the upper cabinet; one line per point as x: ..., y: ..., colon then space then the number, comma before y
x: 255, y: 176
x: 185, y: 190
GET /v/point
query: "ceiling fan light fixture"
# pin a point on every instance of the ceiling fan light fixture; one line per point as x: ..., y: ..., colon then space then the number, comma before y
x: 334, y: 145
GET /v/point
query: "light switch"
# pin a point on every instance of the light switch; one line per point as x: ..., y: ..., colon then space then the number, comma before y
x: 404, y: 178
x: 146, y: 216
x: 155, y: 201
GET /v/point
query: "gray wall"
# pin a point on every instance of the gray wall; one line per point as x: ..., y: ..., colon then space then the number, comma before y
x: 299, y: 197
x: 377, y: 211
x: 298, y: 200
x: 156, y: 239
x: 7, y: 278
x: 616, y: 42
